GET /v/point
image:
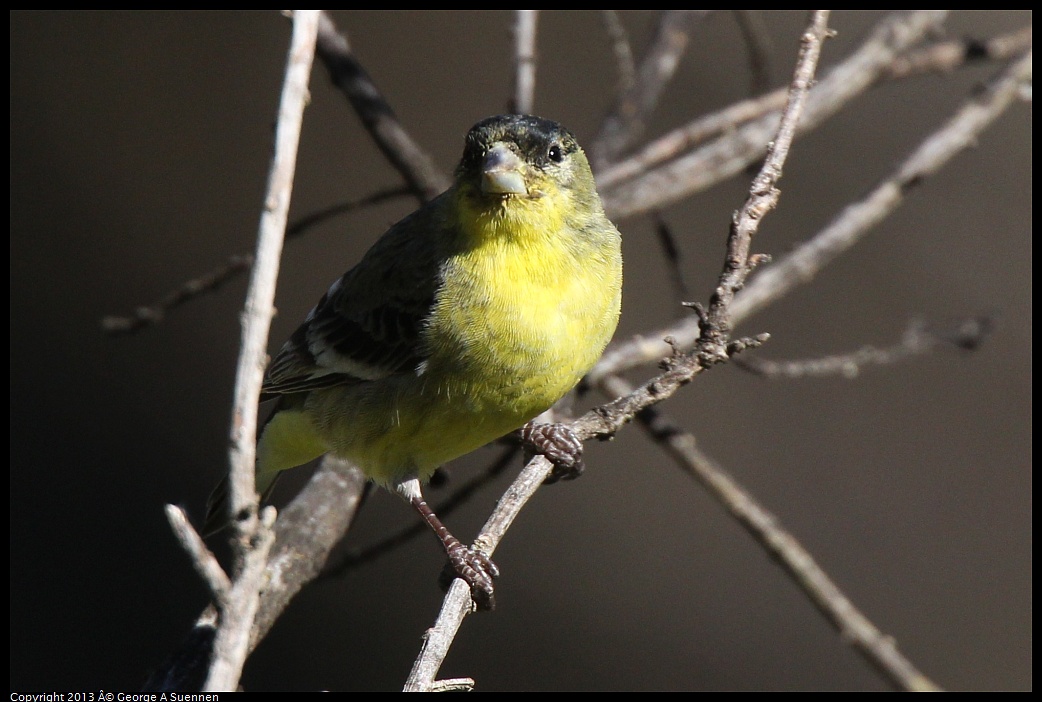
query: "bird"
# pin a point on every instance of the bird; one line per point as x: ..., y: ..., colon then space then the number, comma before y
x: 463, y: 322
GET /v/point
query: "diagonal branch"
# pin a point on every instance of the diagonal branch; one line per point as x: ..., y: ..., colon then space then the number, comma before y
x: 763, y: 197
x: 150, y: 315
x: 604, y: 421
x: 878, y: 648
x: 424, y: 179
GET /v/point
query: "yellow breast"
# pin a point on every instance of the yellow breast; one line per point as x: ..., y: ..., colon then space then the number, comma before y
x: 527, y: 309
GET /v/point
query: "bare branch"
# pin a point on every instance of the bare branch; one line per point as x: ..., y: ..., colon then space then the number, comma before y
x: 916, y: 340
x: 305, y: 534
x: 524, y: 61
x: 424, y: 179
x: 146, y: 316
x: 856, y: 220
x: 254, y: 534
x: 763, y: 197
x: 260, y: 297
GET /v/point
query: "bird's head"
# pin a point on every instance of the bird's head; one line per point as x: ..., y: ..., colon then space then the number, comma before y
x: 524, y: 167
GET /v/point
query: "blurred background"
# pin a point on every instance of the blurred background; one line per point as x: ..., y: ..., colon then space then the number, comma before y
x: 139, y: 152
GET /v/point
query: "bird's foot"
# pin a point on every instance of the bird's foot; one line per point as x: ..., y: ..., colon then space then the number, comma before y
x: 476, y: 569
x: 559, y: 444
x: 474, y: 566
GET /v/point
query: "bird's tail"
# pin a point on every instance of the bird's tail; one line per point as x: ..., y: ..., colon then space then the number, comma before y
x: 287, y: 440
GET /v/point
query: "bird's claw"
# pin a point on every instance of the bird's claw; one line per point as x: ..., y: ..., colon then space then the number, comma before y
x: 561, y: 447
x: 477, y: 570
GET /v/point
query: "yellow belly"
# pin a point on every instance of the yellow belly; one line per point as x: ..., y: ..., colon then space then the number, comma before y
x: 503, y: 345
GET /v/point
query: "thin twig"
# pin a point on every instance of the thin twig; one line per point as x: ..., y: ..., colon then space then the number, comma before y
x: 236, y: 265
x: 524, y: 61
x: 424, y: 179
x: 150, y: 315
x: 203, y: 560
x: 628, y: 118
x: 916, y: 340
x: 605, y: 420
x: 853, y: 223
x: 763, y: 197
x: 253, y: 531
x: 671, y: 252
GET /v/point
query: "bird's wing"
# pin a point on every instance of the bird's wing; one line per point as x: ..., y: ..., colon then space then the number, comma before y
x: 369, y: 324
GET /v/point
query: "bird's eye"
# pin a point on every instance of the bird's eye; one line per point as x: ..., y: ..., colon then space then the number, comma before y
x: 555, y: 153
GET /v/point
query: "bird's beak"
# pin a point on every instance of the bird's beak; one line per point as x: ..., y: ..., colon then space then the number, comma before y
x: 502, y: 172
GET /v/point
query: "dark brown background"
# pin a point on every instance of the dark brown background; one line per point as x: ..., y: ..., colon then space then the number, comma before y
x: 139, y: 149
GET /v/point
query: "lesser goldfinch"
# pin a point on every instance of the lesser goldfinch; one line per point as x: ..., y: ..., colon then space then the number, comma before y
x: 464, y: 321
